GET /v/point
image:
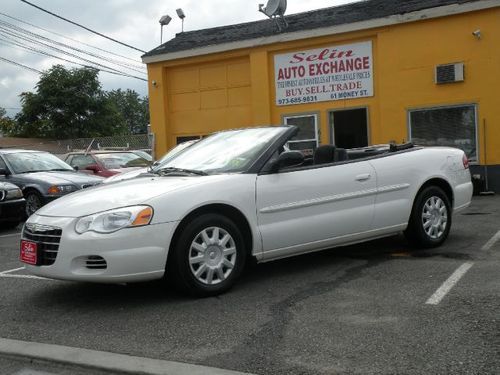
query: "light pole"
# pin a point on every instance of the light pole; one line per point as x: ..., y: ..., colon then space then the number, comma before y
x: 165, y: 20
x: 181, y: 15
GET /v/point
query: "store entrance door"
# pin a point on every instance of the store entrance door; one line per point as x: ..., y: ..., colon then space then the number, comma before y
x: 349, y: 128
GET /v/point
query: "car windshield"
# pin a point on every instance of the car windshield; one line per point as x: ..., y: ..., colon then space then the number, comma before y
x: 26, y: 162
x: 176, y: 151
x: 226, y: 152
x: 117, y: 160
x: 143, y: 154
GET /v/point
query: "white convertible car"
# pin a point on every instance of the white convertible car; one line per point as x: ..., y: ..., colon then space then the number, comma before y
x: 238, y: 194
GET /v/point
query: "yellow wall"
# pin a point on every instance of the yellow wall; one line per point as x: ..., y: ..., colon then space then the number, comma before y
x: 234, y: 89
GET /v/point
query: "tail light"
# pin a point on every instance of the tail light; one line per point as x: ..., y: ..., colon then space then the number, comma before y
x: 465, y: 161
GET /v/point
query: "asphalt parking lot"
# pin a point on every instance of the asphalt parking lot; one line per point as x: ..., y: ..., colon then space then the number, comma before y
x: 375, y: 308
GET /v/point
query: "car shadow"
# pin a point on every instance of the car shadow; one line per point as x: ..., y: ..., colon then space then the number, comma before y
x: 263, y: 275
x: 158, y: 291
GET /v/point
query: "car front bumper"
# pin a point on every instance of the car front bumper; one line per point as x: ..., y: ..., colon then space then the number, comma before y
x: 128, y: 255
x: 12, y: 210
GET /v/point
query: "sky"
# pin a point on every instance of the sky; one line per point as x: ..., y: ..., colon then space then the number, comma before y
x: 134, y: 22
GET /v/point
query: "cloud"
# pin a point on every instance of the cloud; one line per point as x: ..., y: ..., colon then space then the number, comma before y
x: 134, y: 22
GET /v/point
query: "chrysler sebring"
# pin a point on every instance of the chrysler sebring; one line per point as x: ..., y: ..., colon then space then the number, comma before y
x: 197, y: 218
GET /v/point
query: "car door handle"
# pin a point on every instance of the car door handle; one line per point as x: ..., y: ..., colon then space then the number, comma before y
x: 363, y: 177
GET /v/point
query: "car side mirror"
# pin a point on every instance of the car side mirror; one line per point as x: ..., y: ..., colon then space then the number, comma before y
x: 4, y: 172
x: 288, y: 159
x: 93, y: 167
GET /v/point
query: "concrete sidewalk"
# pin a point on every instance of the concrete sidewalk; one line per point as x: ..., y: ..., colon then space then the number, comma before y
x: 104, y: 360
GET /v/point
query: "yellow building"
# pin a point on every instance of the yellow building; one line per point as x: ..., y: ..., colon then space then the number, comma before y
x: 365, y: 73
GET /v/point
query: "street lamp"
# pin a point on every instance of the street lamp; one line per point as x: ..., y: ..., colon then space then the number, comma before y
x: 165, y: 20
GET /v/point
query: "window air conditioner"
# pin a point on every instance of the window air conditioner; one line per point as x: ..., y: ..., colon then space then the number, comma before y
x: 449, y: 73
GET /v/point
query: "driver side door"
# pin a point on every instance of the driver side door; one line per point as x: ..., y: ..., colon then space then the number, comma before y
x: 313, y: 208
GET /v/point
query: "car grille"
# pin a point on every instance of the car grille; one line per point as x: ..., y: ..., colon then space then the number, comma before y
x: 47, y: 239
x: 95, y: 262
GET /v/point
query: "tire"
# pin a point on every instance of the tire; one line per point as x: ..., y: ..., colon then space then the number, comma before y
x: 33, y: 202
x: 430, y: 219
x: 208, y: 256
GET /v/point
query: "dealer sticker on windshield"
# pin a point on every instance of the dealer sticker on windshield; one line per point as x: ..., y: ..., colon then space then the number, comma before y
x: 28, y: 252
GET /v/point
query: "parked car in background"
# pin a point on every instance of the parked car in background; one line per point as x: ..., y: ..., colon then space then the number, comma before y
x: 106, y: 163
x: 240, y: 194
x: 167, y: 157
x: 41, y: 176
x: 143, y: 154
x: 12, y: 205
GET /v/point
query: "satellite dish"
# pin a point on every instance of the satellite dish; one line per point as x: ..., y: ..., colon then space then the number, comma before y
x: 274, y: 8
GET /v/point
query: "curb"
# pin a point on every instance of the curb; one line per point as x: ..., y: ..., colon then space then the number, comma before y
x: 104, y: 360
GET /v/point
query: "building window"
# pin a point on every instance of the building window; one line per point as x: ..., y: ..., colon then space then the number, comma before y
x: 446, y: 126
x: 307, y: 139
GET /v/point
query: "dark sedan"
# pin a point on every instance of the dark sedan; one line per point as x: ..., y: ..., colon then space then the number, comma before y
x: 42, y: 176
x: 12, y: 205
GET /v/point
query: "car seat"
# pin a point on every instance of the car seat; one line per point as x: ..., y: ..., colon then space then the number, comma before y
x: 324, y: 154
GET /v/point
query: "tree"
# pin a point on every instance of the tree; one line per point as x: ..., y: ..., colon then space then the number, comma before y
x: 133, y: 108
x: 68, y: 103
x: 7, y: 125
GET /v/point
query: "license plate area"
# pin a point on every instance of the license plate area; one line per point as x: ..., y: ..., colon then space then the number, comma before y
x: 29, y: 252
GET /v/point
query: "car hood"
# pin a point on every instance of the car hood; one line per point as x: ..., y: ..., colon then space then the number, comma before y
x: 61, y: 178
x: 121, y: 194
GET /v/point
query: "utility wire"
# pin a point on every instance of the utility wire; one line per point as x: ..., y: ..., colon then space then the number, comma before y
x: 138, y: 63
x: 6, y: 32
x: 41, y: 52
x: 20, y: 65
x: 12, y: 34
x: 21, y: 30
x: 83, y: 27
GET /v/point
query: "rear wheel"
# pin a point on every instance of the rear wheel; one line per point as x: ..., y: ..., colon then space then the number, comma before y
x: 430, y: 220
x: 208, y: 256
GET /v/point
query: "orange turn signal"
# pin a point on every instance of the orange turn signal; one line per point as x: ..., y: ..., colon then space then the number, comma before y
x: 143, y: 218
x: 54, y: 190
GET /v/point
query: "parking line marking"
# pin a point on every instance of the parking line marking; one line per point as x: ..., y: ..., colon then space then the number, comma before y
x: 488, y: 245
x: 10, y: 235
x: 10, y: 271
x: 449, y: 284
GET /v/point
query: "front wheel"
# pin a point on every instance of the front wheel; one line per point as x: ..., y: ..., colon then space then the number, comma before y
x: 34, y: 201
x: 208, y: 257
x: 430, y: 220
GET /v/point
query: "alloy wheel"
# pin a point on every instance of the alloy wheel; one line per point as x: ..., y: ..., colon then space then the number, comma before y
x: 33, y: 203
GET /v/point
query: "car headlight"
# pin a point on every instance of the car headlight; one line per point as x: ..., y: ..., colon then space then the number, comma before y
x: 61, y: 189
x: 14, y: 194
x: 114, y: 220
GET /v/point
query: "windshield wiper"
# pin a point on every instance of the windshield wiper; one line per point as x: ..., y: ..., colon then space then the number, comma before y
x: 61, y: 170
x: 34, y: 171
x: 170, y: 170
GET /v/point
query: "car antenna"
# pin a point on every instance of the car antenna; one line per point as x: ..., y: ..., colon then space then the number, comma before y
x: 90, y: 146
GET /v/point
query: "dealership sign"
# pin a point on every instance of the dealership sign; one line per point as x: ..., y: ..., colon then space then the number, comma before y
x: 324, y: 74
